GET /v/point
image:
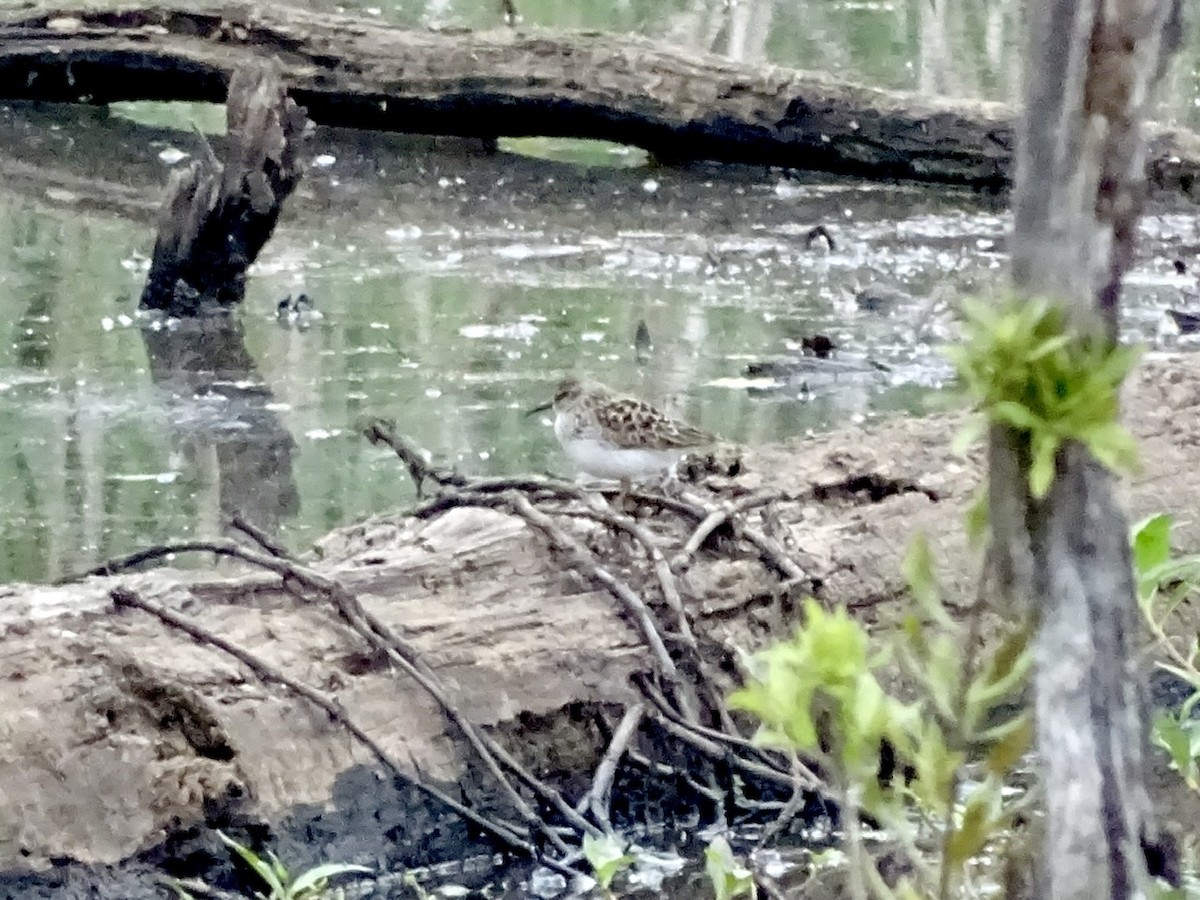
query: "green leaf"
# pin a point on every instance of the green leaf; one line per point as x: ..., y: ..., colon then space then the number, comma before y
x: 1185, y: 711
x: 278, y: 867
x: 318, y: 875
x: 1015, y: 415
x: 1171, y: 734
x: 1041, y: 470
x: 728, y: 876
x: 917, y: 569
x: 1010, y: 745
x: 1112, y: 445
x: 935, y: 767
x: 977, y: 518
x: 968, y: 435
x: 180, y: 891
x: 1006, y: 672
x: 1051, y: 345
x: 906, y: 891
x: 606, y: 855
x: 976, y: 828
x: 261, y: 867
x: 1151, y: 549
x: 1012, y: 656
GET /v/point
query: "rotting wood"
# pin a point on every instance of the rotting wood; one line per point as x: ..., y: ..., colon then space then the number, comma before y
x: 526, y: 81
x: 218, y: 215
x: 679, y: 714
x: 124, y: 597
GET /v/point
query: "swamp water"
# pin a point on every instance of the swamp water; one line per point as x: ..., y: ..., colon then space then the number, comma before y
x: 455, y: 288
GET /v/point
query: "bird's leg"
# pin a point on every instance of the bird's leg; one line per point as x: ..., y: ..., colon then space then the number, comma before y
x: 625, y: 503
x: 670, y: 484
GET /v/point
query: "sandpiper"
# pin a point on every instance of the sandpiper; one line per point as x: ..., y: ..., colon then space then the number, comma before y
x: 606, y: 435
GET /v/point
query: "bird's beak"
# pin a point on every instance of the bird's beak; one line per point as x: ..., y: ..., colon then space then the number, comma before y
x: 538, y: 409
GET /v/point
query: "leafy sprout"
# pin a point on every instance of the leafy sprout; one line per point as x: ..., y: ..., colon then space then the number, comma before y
x: 729, y: 876
x: 1025, y: 370
x: 308, y: 885
x: 606, y: 855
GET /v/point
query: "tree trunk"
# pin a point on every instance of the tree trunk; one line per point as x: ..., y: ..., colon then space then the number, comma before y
x: 1079, y: 188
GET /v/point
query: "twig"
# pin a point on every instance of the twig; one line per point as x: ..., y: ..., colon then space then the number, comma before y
x: 770, y: 551
x: 773, y: 555
x: 713, y: 521
x: 585, y: 561
x: 194, y: 887
x: 960, y: 701
x: 662, y: 569
x: 700, y: 534
x: 473, y: 492
x: 598, y: 798
x: 260, y: 537
x: 210, y: 154
x: 733, y: 740
x: 489, y: 751
x: 669, y: 587
x: 859, y: 858
x: 767, y: 884
x: 218, y: 547
x: 379, y: 431
x: 693, y: 509
x: 123, y: 596
x: 634, y: 604
x: 791, y: 808
x: 391, y: 644
x: 716, y: 750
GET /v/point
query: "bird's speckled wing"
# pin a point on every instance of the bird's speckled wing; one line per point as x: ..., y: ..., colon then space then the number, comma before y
x: 635, y: 424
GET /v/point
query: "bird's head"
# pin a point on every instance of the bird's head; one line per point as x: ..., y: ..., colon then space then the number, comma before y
x: 568, y: 389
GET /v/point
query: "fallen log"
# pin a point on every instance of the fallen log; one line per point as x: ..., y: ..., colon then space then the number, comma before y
x: 142, y: 736
x: 527, y: 81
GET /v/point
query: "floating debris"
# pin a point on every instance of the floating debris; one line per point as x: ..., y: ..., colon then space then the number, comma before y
x: 1186, y: 322
x: 815, y: 234
x: 877, y: 298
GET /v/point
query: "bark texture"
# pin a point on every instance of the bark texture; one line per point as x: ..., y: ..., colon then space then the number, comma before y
x: 1079, y: 191
x: 217, y: 216
x: 525, y: 81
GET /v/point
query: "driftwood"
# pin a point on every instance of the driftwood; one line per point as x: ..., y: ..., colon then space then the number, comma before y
x: 498, y: 609
x: 218, y: 216
x: 526, y: 81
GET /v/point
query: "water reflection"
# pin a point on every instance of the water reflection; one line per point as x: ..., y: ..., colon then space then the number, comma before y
x: 457, y: 287
x: 223, y: 420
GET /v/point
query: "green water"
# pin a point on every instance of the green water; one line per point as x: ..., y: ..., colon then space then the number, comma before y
x: 456, y: 287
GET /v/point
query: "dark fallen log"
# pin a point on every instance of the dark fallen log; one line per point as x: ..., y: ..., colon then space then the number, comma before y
x: 525, y: 81
x: 218, y: 216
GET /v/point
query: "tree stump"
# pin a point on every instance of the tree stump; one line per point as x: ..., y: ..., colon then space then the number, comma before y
x: 218, y: 216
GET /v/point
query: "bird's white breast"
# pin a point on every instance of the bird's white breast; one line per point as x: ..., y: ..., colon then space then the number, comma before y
x: 601, y: 459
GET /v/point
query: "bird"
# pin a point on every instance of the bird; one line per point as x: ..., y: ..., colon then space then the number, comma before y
x: 610, y: 436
